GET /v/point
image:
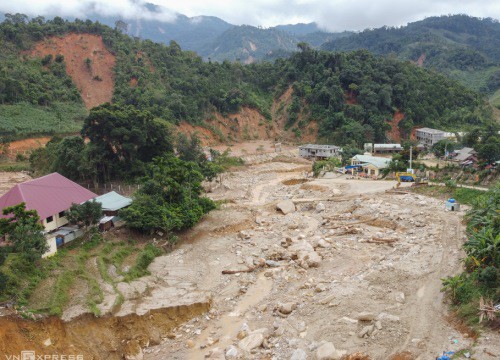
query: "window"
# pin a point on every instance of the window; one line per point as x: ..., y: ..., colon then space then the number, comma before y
x: 49, y: 219
x: 62, y: 214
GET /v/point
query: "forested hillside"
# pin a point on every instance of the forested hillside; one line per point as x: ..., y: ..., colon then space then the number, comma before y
x: 351, y: 96
x: 460, y: 46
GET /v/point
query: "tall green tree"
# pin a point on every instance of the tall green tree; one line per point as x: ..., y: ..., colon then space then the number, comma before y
x: 170, y: 197
x: 126, y: 139
x: 86, y: 214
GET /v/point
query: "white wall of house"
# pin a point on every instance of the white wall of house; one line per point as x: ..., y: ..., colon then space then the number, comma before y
x: 58, y: 220
x: 51, y: 241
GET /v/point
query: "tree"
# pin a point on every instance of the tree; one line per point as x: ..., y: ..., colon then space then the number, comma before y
x: 442, y: 147
x: 125, y: 139
x: 28, y: 241
x: 86, y: 214
x: 19, y: 216
x: 489, y: 152
x: 24, y: 230
x: 68, y: 157
x: 170, y: 197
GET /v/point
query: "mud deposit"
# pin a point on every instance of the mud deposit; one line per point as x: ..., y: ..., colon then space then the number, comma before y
x: 108, y: 337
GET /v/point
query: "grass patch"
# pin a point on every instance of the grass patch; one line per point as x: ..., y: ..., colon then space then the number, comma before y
x: 24, y: 119
x: 145, y: 258
x: 462, y: 195
x: 14, y: 166
x: 60, y: 295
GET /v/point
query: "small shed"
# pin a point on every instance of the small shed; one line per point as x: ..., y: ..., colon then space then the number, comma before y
x: 106, y: 223
x: 66, y: 234
x: 112, y: 202
x: 452, y: 205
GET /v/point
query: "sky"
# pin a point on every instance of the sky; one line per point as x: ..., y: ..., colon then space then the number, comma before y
x: 332, y: 15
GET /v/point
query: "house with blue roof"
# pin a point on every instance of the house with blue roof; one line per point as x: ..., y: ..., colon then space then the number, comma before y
x: 370, y: 165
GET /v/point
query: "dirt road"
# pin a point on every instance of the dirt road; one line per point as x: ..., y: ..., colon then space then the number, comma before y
x: 307, y: 277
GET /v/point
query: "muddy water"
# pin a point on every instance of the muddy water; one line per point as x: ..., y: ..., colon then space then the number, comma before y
x: 227, y: 326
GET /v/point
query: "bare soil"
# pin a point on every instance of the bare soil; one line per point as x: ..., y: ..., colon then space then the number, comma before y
x: 394, y: 134
x: 10, y: 179
x: 95, y: 81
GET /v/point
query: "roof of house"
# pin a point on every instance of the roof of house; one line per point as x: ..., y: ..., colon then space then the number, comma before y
x: 318, y: 147
x: 464, y: 154
x: 387, y: 146
x: 48, y: 195
x: 379, y: 162
x: 113, y: 201
x: 431, y: 131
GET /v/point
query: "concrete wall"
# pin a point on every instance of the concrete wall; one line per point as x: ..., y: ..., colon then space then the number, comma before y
x: 56, y: 222
x: 51, y: 241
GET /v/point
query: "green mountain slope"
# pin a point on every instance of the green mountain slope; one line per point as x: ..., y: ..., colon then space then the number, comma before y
x: 176, y: 85
x: 463, y: 47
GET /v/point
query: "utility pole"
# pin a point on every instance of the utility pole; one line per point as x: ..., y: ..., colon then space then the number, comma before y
x: 411, y: 155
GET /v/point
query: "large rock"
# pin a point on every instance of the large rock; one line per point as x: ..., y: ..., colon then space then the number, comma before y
x: 365, y: 316
x: 286, y: 206
x: 287, y: 308
x: 305, y: 254
x: 328, y: 352
x: 251, y: 342
x: 320, y: 207
x: 299, y: 354
x: 232, y: 352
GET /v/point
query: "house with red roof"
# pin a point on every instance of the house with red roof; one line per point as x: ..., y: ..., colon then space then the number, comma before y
x: 50, y: 195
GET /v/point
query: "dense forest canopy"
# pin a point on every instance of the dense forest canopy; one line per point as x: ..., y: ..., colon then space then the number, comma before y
x: 460, y: 46
x: 175, y: 85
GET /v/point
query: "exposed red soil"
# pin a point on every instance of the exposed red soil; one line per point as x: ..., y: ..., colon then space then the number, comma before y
x: 394, y: 134
x: 421, y: 59
x: 249, y: 124
x: 91, y: 337
x: 24, y: 147
x: 133, y: 82
x: 350, y: 98
x: 95, y: 81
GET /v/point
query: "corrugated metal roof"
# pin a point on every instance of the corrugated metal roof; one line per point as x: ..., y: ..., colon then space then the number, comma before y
x: 48, y: 195
x: 430, y: 131
x: 379, y: 162
x: 315, y: 146
x: 113, y: 201
x: 387, y: 146
x: 464, y: 154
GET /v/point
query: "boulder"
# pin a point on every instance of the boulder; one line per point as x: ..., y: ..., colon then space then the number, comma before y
x: 286, y: 206
x: 320, y: 207
x: 328, y: 352
x: 251, y: 342
x: 366, y: 316
x: 232, y: 352
x: 287, y: 308
x: 299, y: 354
x: 400, y: 298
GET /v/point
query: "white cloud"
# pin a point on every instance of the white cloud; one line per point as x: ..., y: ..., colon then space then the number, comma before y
x: 334, y: 15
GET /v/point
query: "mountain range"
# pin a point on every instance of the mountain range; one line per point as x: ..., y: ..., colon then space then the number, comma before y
x: 462, y: 47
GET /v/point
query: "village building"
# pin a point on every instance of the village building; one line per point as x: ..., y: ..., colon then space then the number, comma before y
x: 428, y: 137
x: 112, y: 203
x: 50, y: 195
x: 383, y: 148
x: 465, y: 156
x: 313, y: 151
x: 370, y: 165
